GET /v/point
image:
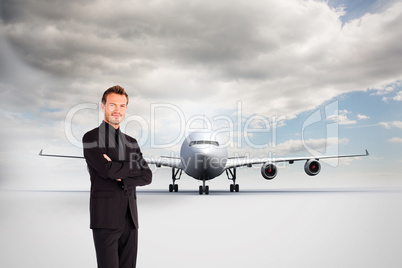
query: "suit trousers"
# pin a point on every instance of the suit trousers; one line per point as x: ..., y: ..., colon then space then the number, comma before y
x: 117, y: 248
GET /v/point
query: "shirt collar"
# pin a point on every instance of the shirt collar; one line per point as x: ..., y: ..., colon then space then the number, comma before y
x: 107, y: 127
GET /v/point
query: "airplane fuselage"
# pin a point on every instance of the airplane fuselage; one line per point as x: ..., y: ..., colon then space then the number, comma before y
x: 203, y: 158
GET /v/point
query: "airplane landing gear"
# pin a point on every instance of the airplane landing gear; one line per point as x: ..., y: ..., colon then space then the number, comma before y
x: 234, y: 188
x: 203, y: 188
x: 173, y: 187
x: 176, y: 174
x: 231, y: 173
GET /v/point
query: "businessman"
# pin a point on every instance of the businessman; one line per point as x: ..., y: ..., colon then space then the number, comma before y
x: 116, y: 168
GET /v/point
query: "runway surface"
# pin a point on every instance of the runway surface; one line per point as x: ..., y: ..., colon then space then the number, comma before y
x: 280, y: 227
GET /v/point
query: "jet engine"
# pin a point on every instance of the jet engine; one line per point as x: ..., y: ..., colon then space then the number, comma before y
x: 312, y: 167
x: 269, y: 171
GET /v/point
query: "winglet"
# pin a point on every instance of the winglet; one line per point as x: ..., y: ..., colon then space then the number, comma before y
x: 367, y: 153
x: 40, y: 153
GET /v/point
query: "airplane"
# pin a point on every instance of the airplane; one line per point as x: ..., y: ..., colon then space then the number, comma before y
x: 204, y: 159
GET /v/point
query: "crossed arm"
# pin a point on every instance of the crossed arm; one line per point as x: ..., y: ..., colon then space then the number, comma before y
x: 110, y: 160
x: 134, y: 171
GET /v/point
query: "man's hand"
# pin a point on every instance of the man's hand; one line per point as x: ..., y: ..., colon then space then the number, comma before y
x: 107, y: 157
x: 110, y: 160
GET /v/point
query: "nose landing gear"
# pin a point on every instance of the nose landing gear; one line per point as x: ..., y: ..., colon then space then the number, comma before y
x: 203, y: 188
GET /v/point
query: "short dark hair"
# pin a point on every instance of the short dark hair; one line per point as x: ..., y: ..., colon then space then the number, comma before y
x: 115, y: 89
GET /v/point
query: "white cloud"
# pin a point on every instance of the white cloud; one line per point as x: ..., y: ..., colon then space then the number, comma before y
x: 297, y: 146
x: 397, y: 124
x: 386, y: 89
x: 341, y: 117
x: 291, y: 147
x: 398, y: 96
x: 362, y: 117
x: 395, y: 140
x: 344, y: 120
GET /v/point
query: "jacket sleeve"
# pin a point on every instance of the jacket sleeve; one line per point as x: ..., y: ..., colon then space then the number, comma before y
x: 106, y: 169
x: 142, y: 174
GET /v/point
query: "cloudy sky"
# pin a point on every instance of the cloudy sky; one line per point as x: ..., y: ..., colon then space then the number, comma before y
x: 282, y: 77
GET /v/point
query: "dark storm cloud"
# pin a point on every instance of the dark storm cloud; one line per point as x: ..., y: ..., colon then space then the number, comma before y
x: 65, y: 37
x: 190, y: 49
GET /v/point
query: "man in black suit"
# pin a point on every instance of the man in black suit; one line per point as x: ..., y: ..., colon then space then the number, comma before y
x: 116, y: 168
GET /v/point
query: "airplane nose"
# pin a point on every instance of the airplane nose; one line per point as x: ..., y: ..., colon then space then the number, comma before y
x: 210, y: 165
x: 203, y: 161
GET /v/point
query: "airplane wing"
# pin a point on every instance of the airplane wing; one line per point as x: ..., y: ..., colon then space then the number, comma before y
x: 57, y: 155
x: 166, y: 161
x: 243, y: 161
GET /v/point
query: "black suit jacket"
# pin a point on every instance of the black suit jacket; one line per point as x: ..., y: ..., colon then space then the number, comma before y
x: 110, y: 199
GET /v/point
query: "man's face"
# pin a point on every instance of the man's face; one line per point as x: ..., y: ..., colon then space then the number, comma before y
x: 114, y: 109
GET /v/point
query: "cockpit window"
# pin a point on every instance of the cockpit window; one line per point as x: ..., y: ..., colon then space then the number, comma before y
x: 204, y: 142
